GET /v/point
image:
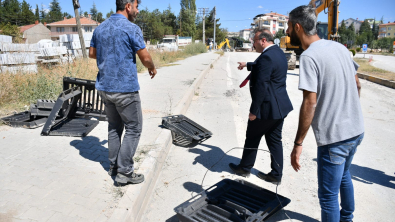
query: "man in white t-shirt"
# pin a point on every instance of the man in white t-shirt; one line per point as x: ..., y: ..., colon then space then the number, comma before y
x: 331, y: 106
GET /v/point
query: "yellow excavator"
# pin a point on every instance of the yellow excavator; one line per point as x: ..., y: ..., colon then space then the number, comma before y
x: 325, y: 30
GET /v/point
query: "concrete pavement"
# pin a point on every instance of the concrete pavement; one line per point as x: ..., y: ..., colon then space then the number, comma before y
x: 222, y: 107
x: 65, y: 179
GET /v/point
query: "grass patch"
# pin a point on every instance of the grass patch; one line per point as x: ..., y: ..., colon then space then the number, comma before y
x: 366, y: 68
x: 17, y: 91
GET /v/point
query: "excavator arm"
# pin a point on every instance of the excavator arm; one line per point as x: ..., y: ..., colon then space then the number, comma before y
x: 333, y: 15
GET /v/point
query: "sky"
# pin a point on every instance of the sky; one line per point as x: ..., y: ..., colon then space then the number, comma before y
x: 237, y: 15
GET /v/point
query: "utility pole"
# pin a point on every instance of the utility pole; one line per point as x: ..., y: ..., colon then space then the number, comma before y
x: 76, y: 5
x: 215, y: 23
x: 202, y: 11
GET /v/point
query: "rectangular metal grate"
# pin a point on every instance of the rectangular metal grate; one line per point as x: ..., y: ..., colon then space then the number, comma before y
x: 24, y: 120
x: 184, y: 128
x: 90, y: 104
x: 232, y: 201
x: 67, y: 125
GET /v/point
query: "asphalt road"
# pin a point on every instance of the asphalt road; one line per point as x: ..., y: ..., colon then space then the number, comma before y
x: 380, y: 61
x: 222, y: 107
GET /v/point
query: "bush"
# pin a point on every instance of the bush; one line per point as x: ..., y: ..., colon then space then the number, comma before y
x: 353, y: 52
x: 195, y: 48
x: 358, y: 49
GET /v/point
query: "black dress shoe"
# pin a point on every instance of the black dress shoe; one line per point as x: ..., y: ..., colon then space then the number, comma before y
x: 238, y: 170
x: 269, y: 178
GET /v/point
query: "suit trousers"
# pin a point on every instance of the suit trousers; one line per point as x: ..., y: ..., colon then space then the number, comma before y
x: 272, y: 130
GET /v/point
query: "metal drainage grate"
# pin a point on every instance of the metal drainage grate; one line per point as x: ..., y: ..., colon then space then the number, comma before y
x: 183, y: 128
x: 90, y: 104
x: 232, y: 201
x: 25, y: 120
x: 68, y: 125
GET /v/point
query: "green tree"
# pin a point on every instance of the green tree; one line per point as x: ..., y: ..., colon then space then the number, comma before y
x: 112, y: 12
x: 27, y: 16
x: 37, y: 13
x: 55, y: 12
x: 375, y: 30
x: 100, y: 18
x: 94, y: 12
x: 220, y: 33
x: 86, y: 14
x: 188, y: 17
x: 12, y: 11
x: 279, y: 34
x: 351, y: 36
x: 365, y: 27
x: 43, y: 14
x: 67, y: 15
x: 11, y: 30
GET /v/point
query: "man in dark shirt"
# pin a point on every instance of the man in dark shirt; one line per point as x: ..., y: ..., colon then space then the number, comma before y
x: 114, y: 45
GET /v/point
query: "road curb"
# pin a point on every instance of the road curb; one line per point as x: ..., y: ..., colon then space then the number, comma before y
x: 383, y: 82
x: 133, y: 203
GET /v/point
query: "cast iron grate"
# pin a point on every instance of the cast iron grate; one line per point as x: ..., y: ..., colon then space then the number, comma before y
x: 25, y: 120
x: 67, y: 125
x: 183, y: 128
x: 232, y: 201
x: 90, y: 104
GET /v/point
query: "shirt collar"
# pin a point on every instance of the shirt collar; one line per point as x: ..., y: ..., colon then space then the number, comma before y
x: 116, y: 15
x: 268, y: 47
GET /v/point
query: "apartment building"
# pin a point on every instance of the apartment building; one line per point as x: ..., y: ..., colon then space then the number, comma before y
x: 274, y: 21
x: 387, y: 30
x: 245, y: 33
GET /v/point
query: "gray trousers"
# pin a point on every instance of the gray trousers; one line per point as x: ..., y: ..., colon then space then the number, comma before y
x: 123, y: 112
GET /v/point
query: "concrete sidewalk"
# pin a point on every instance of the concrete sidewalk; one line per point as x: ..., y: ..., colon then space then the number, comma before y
x: 65, y: 179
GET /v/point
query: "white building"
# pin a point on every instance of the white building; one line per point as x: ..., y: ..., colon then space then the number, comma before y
x: 273, y: 21
x: 69, y: 26
x: 245, y: 33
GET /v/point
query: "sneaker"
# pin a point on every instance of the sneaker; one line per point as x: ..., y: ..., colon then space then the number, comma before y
x: 269, y: 178
x: 113, y: 172
x: 132, y: 178
x: 238, y: 170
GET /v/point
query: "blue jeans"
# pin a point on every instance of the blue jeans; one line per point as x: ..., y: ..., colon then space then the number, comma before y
x: 334, y: 161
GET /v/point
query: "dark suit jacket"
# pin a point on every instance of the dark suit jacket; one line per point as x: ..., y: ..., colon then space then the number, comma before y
x: 268, y: 85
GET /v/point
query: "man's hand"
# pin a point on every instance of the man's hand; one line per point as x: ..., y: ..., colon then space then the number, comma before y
x: 152, y: 72
x: 295, y: 157
x: 252, y: 117
x: 242, y: 65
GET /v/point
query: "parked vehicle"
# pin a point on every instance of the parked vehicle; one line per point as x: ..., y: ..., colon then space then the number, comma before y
x: 173, y: 42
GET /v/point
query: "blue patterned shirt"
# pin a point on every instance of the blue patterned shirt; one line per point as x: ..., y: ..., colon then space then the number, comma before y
x: 117, y: 41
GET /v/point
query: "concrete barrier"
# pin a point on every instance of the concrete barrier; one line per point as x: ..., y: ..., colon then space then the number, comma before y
x: 132, y: 205
x: 383, y: 82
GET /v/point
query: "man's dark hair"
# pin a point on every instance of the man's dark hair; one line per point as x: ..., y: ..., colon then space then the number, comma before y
x: 264, y: 33
x: 306, y: 17
x: 122, y: 3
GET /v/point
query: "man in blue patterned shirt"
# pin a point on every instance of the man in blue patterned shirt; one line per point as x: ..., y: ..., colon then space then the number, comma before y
x: 114, y: 45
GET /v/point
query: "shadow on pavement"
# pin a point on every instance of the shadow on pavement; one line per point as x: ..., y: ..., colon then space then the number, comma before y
x: 280, y: 216
x: 92, y: 149
x: 210, y: 158
x: 193, y: 188
x: 370, y: 176
x: 173, y: 219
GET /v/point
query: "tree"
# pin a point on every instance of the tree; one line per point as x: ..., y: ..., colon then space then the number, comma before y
x: 187, y: 17
x: 43, y: 14
x: 37, y: 13
x: 27, y: 16
x: 351, y: 36
x: 220, y: 33
x: 343, y: 32
x: 11, y: 30
x: 112, y: 12
x: 12, y: 12
x: 375, y: 30
x: 55, y: 12
x: 94, y: 12
x: 86, y: 14
x: 100, y: 18
x: 365, y: 27
x: 279, y: 34
x: 67, y: 15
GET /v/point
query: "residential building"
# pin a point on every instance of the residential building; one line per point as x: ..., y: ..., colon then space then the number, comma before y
x: 233, y: 34
x: 371, y: 21
x: 245, y: 33
x: 69, y: 26
x: 35, y: 32
x: 387, y: 30
x: 273, y: 21
x: 357, y: 23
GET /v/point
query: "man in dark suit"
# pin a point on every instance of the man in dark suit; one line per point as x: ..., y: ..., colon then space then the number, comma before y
x: 270, y: 105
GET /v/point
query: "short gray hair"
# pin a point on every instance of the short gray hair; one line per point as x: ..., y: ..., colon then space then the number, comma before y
x: 264, y: 33
x: 306, y: 17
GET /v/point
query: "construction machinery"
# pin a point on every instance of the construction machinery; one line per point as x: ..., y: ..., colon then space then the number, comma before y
x: 225, y: 44
x: 327, y: 30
